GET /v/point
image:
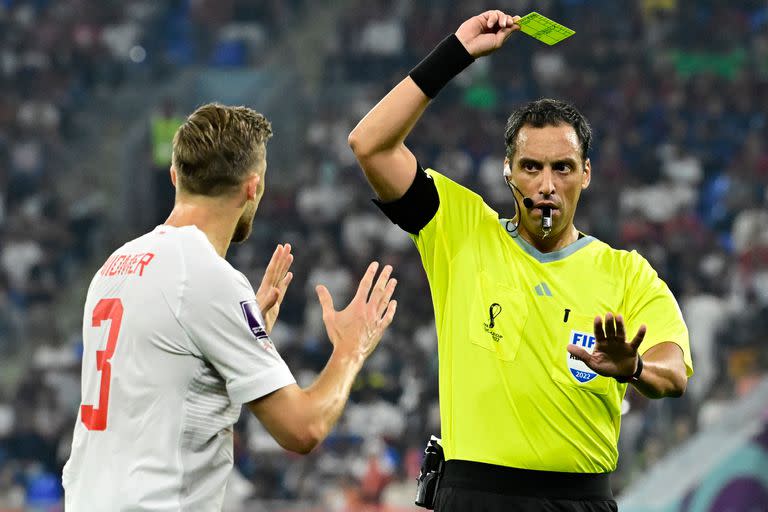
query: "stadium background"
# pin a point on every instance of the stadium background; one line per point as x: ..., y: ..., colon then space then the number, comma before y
x: 676, y: 90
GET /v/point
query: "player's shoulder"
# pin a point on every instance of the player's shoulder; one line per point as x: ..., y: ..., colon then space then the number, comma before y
x: 130, y: 258
x: 184, y: 258
x: 185, y: 250
x: 199, y: 254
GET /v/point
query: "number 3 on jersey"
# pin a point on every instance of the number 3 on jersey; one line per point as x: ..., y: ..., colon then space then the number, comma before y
x: 106, y: 309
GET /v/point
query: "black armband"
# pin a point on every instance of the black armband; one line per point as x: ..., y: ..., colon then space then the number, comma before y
x: 418, y: 205
x: 447, y: 60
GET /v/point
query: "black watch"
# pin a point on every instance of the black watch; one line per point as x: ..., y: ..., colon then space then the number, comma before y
x: 635, y: 376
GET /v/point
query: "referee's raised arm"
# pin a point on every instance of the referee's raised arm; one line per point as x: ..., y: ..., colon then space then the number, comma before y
x: 378, y: 141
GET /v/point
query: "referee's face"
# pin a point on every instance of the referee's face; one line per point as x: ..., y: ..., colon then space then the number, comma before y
x: 547, y: 166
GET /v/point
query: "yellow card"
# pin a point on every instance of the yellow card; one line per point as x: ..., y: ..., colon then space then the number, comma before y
x: 544, y: 29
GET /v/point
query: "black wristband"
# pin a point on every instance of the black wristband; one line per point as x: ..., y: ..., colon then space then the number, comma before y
x: 447, y: 60
x: 635, y: 376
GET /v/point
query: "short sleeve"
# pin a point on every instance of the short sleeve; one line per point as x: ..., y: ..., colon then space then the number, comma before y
x: 219, y: 313
x: 649, y: 301
x: 459, y: 213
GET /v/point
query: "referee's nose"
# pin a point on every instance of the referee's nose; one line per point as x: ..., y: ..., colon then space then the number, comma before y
x: 547, y: 183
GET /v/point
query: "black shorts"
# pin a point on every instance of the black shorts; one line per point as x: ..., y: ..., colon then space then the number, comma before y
x: 475, y: 487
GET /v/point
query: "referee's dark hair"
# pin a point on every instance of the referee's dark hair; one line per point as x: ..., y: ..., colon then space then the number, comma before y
x: 547, y: 112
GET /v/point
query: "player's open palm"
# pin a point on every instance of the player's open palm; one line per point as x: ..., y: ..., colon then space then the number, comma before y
x: 486, y: 32
x: 274, y: 283
x: 613, y: 355
x: 357, y: 329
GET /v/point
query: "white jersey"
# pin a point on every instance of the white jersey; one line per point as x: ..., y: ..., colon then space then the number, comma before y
x: 174, y: 343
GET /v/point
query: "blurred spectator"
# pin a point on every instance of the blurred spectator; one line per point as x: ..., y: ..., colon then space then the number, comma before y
x: 163, y: 126
x: 705, y: 313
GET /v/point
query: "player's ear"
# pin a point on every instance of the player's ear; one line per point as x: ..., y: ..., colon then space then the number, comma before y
x: 173, y: 176
x: 507, y: 170
x: 586, y: 176
x: 252, y: 186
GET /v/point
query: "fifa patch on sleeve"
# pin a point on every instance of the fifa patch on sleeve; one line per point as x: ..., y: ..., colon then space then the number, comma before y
x: 255, y: 323
x: 544, y: 29
x: 580, y: 371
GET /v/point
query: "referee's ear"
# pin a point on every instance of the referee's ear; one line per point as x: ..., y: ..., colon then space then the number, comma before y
x: 586, y: 176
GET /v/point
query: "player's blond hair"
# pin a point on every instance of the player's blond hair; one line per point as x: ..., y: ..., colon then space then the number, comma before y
x: 217, y: 147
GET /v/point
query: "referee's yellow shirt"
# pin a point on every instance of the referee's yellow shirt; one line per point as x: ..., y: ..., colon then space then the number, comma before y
x: 509, y: 392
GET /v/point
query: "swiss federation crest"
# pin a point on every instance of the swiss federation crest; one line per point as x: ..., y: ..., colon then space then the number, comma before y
x: 580, y: 371
x: 253, y: 317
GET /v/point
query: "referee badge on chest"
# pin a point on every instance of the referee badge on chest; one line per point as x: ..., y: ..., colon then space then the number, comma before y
x: 580, y: 371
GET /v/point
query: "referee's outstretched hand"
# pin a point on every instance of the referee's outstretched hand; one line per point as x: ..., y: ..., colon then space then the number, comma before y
x: 357, y: 329
x: 612, y: 356
x: 486, y: 32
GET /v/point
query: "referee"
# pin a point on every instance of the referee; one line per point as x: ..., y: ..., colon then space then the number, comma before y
x: 540, y: 327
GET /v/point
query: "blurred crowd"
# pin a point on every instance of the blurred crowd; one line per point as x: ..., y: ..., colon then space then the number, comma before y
x: 56, y: 58
x: 675, y: 91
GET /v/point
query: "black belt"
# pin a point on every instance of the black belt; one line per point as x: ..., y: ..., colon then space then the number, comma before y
x: 526, y: 482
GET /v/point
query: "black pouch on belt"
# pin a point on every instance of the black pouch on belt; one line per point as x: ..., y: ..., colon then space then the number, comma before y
x: 429, y: 476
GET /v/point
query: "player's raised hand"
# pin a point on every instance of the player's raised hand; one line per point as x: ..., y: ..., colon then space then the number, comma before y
x: 357, y: 329
x: 613, y: 356
x: 274, y: 283
x: 486, y: 32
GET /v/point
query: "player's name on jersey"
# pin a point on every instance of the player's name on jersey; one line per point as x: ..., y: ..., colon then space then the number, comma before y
x: 126, y: 264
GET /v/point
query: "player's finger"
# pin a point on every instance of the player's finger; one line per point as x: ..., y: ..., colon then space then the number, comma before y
x: 326, y: 301
x: 381, y: 284
x: 620, y: 331
x: 365, y: 283
x: 514, y: 22
x: 268, y: 300
x: 638, y: 339
x: 598, y: 328
x: 282, y: 261
x: 287, y: 262
x: 388, y: 292
x: 284, y: 285
x: 286, y: 258
x: 388, y: 315
x: 281, y: 258
x: 273, y: 262
x: 610, y: 327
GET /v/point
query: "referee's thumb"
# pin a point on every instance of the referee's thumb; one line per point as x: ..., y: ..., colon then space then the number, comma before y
x: 579, y: 353
x: 324, y: 296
